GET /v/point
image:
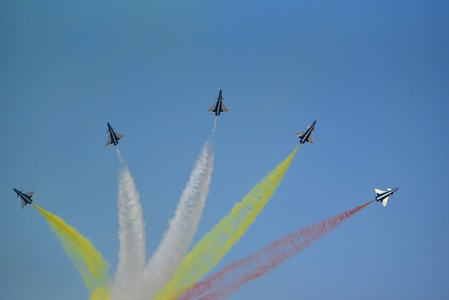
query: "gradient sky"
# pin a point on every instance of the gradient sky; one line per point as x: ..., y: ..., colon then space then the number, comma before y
x: 375, y: 74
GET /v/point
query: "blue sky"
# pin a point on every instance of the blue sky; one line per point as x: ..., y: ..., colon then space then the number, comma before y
x: 374, y: 74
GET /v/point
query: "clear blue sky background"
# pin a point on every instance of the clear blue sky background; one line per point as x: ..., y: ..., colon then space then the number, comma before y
x: 375, y: 74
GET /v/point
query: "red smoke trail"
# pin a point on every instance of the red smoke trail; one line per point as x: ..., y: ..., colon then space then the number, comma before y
x: 225, y: 282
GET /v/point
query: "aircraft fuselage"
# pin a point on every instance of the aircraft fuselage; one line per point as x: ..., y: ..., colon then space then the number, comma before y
x: 386, y: 194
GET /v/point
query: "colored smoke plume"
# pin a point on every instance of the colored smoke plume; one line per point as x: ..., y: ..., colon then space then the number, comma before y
x: 87, y: 260
x: 216, y: 243
x: 100, y: 294
x: 225, y: 282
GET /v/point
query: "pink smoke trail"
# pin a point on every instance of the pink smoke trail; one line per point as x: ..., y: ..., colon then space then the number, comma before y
x: 225, y: 282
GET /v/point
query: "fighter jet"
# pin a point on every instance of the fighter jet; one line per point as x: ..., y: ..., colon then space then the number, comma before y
x: 113, y: 136
x: 384, y: 195
x: 306, y: 136
x: 219, y: 106
x: 24, y: 197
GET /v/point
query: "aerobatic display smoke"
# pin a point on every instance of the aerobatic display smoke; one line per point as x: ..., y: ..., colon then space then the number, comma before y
x: 87, y: 260
x: 132, y: 247
x: 183, y: 226
x: 172, y: 272
x: 215, y: 244
x: 225, y: 282
x: 215, y: 125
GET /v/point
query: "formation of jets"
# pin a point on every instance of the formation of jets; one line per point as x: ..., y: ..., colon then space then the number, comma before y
x: 217, y: 108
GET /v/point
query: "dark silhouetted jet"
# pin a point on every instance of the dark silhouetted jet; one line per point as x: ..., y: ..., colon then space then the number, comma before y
x: 383, y: 196
x: 306, y: 136
x: 24, y: 197
x: 219, y: 106
x: 113, y: 136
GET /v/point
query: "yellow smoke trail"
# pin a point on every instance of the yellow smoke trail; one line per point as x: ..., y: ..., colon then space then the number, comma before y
x: 89, y: 262
x: 101, y: 293
x: 215, y: 244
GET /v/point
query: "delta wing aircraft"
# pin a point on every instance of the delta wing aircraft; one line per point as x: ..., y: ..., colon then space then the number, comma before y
x: 113, y: 136
x: 24, y: 197
x: 219, y: 106
x: 383, y: 196
x: 306, y: 136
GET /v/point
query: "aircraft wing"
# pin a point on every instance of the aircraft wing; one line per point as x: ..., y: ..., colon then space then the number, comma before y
x: 379, y: 191
x: 384, y: 201
x: 300, y: 134
x: 118, y: 135
x: 224, y: 108
x: 109, y: 141
x: 23, y: 203
x: 30, y: 194
x: 310, y: 139
x: 213, y: 108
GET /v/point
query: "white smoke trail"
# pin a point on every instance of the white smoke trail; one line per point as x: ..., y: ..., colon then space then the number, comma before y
x: 215, y: 126
x: 178, y: 238
x: 122, y: 161
x: 132, y: 249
